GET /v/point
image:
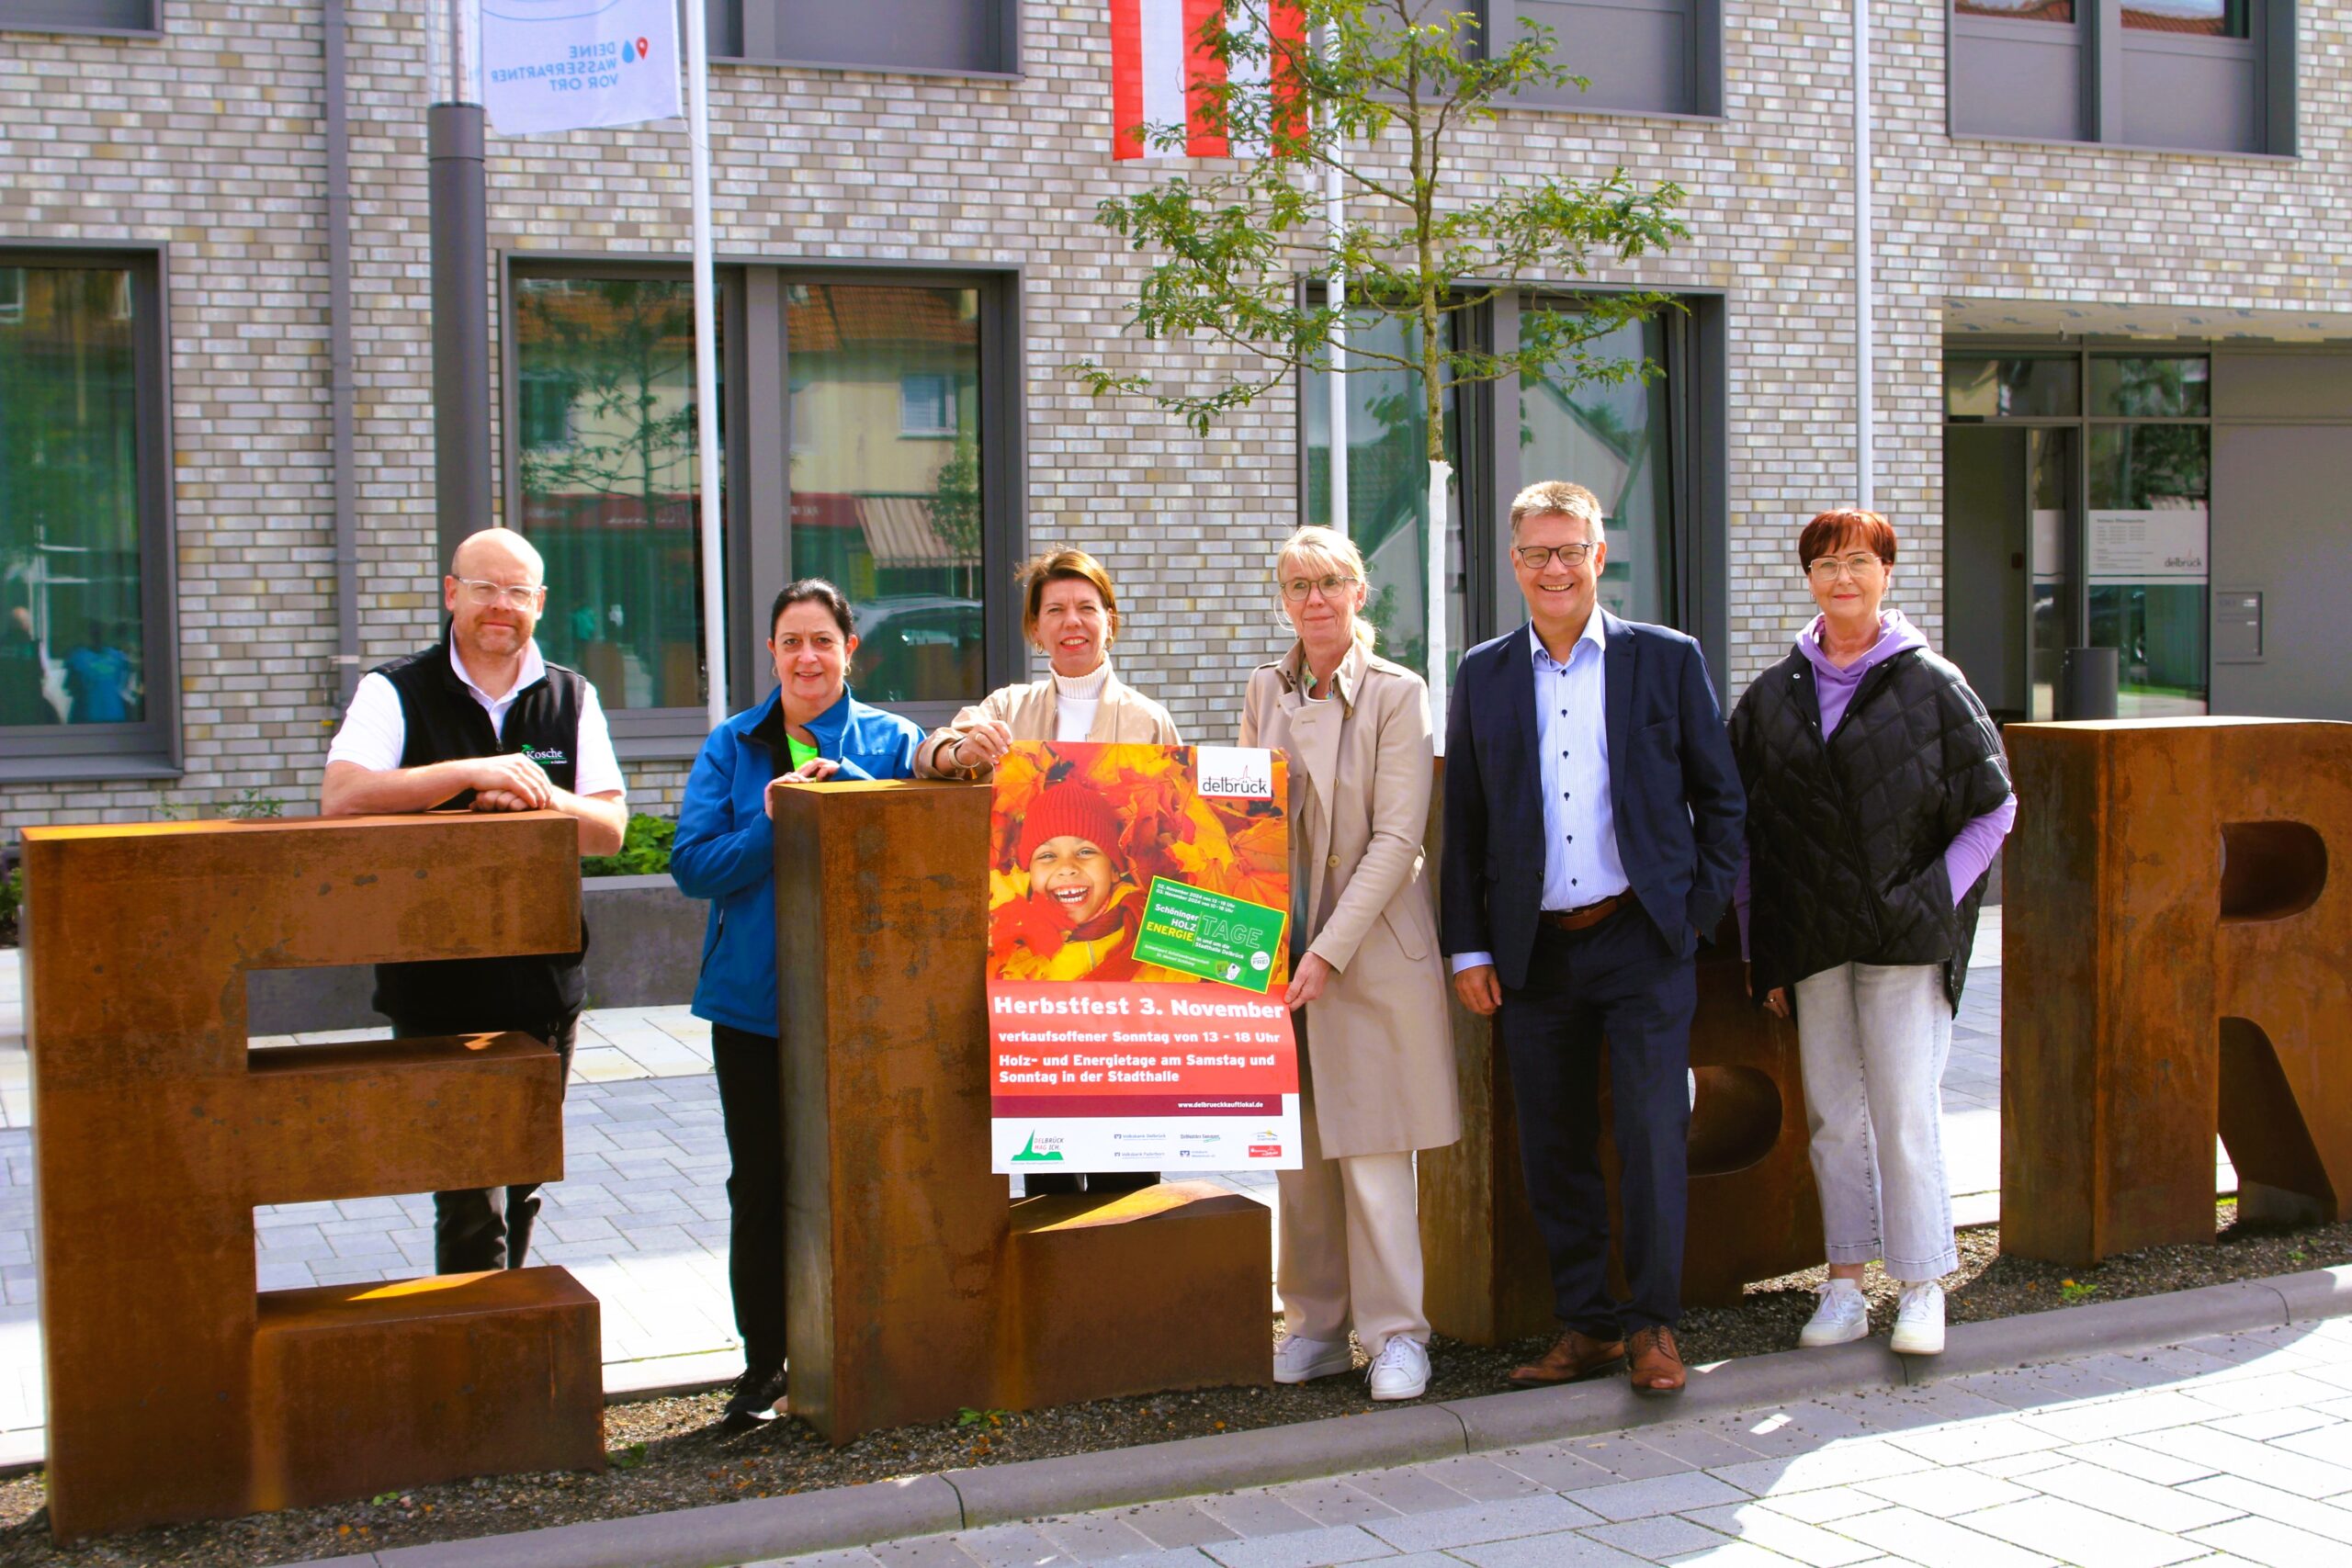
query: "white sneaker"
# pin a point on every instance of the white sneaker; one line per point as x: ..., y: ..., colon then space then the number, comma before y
x: 1843, y: 1316
x: 1401, y: 1370
x: 1299, y: 1359
x: 1919, y: 1321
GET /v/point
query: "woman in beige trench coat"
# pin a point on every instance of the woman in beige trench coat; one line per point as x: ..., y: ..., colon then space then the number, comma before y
x: 1071, y: 612
x: 1376, y: 1046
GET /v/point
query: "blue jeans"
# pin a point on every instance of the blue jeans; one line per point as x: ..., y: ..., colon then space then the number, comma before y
x: 1875, y: 1039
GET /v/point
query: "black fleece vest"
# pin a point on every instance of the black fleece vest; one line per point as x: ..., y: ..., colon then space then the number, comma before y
x: 445, y: 723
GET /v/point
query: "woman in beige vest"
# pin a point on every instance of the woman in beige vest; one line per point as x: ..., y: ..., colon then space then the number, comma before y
x: 1071, y: 613
x: 1375, y: 1045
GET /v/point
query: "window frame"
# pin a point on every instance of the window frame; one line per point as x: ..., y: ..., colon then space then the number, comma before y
x: 150, y: 747
x: 2101, y: 40
x: 756, y: 528
x: 1488, y: 476
x: 722, y: 35
x: 1703, y: 69
x: 10, y: 22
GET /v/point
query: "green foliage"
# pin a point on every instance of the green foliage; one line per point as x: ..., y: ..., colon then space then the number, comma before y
x: 645, y: 850
x: 12, y: 902
x: 1386, y: 101
x: 2072, y: 1294
x: 252, y: 806
x: 629, y: 1457
x: 245, y: 806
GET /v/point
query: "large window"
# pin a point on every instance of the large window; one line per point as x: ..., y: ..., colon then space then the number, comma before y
x: 605, y: 377
x: 1630, y: 444
x: 2208, y: 75
x: 1639, y: 56
x: 2076, y: 491
x: 1388, y: 507
x: 959, y: 37
x: 876, y: 450
x: 886, y: 478
x: 84, y: 643
x: 79, y: 16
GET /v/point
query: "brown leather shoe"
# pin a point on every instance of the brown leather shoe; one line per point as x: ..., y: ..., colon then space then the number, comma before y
x: 1657, y: 1363
x: 1572, y: 1356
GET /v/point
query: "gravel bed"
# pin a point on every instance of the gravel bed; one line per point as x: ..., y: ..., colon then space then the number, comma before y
x: 666, y: 1453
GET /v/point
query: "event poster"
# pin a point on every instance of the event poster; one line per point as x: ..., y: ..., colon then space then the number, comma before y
x: 1138, y: 953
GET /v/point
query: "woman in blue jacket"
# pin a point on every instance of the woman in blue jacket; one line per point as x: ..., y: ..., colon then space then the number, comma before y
x: 809, y: 729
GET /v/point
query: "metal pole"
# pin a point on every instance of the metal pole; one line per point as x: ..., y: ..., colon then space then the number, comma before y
x: 1336, y: 219
x: 460, y: 231
x: 342, y: 381
x: 1865, y: 411
x: 708, y: 493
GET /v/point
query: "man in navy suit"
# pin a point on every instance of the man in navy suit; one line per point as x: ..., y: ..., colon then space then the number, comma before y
x: 1593, y: 820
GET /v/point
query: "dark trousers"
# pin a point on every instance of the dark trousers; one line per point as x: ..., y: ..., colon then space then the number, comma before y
x: 481, y: 1228
x: 1038, y: 1182
x: 1617, y: 986
x: 751, y: 1104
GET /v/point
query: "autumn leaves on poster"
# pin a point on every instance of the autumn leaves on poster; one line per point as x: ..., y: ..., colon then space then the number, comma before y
x: 1137, y: 956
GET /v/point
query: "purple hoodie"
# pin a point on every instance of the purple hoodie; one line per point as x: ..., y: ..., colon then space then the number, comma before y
x: 1974, y: 847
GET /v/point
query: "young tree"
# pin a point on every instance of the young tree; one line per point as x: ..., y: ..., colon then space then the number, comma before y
x: 1383, y: 101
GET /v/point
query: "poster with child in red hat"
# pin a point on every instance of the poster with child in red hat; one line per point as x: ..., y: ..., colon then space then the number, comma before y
x: 1139, y: 951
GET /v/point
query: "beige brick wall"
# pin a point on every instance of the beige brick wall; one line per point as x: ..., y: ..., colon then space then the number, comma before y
x: 211, y: 142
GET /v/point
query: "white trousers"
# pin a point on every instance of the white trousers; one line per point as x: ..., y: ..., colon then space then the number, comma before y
x: 1351, y: 1244
x: 1874, y: 1041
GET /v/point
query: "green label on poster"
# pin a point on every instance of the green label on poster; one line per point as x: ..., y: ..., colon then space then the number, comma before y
x: 1194, y: 931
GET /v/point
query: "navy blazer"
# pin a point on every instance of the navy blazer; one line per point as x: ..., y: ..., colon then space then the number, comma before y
x: 1672, y: 785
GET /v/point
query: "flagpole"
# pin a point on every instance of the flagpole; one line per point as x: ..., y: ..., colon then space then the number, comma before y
x: 708, y: 492
x: 1335, y: 202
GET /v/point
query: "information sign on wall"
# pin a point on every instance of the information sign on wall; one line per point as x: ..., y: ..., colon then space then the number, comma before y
x: 1138, y: 898
x: 2148, y: 545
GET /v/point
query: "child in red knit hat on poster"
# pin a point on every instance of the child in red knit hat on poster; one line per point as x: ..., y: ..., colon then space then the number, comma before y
x: 1080, y: 919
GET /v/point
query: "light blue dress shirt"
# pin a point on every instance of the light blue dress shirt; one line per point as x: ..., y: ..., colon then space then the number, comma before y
x: 1580, y: 862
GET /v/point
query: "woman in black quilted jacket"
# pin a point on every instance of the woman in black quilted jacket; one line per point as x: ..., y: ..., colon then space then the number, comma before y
x: 1877, y: 797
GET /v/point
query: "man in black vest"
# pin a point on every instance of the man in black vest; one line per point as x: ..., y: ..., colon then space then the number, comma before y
x: 482, y: 722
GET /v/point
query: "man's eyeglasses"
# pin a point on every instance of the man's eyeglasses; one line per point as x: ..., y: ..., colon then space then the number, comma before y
x: 1535, y: 557
x: 1299, y: 588
x: 1829, y: 568
x: 521, y: 595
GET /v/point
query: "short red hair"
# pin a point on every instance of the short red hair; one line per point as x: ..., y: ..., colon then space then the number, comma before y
x: 1834, y: 531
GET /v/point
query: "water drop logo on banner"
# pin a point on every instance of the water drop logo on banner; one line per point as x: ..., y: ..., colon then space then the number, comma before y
x: 568, y: 64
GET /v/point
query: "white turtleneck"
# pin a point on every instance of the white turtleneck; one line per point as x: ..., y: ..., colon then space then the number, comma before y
x: 1076, y: 700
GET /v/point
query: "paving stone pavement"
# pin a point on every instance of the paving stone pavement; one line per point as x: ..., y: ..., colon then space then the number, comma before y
x: 640, y: 1215
x: 2229, y: 1451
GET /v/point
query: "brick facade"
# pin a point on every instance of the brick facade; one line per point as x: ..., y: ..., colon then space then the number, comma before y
x: 210, y: 142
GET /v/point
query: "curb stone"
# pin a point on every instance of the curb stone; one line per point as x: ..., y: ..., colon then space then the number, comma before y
x: 722, y: 1534
x: 732, y: 1533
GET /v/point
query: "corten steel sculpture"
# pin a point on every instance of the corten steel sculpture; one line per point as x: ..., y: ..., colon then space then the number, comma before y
x: 1754, y: 1211
x: 916, y: 1288
x: 176, y: 1392
x: 2175, y: 940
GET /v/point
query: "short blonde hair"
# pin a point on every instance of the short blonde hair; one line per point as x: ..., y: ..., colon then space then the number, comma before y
x: 1064, y: 566
x: 1326, y: 550
x: 1556, y: 495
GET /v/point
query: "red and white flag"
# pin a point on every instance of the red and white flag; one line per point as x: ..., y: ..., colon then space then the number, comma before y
x: 1163, y: 73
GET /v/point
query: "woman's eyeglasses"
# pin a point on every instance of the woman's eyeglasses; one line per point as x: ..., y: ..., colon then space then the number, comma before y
x: 1829, y: 568
x: 1299, y: 588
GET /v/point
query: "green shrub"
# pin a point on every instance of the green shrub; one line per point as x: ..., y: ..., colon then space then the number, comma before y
x: 12, y: 899
x: 645, y: 850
